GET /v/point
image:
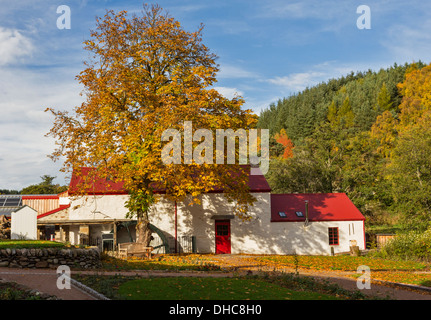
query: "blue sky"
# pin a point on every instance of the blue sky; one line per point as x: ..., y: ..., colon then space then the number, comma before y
x: 267, y: 50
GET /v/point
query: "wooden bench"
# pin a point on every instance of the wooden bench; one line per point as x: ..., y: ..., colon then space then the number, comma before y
x: 133, y: 248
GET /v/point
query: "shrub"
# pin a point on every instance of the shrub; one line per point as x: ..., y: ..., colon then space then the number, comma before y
x: 412, y: 245
x: 10, y: 294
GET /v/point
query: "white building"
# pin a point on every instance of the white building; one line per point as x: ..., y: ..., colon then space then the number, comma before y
x: 24, y: 223
x: 314, y: 224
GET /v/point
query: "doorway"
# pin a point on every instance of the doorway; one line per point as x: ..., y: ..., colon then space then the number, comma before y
x: 222, y: 236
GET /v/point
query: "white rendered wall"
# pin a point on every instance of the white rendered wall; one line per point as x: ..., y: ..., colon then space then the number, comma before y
x: 293, y: 237
x: 98, y: 207
x: 257, y: 236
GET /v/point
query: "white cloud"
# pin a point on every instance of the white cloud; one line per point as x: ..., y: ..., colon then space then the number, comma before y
x: 23, y: 123
x: 311, y: 9
x: 298, y: 81
x: 407, y: 44
x: 230, y: 27
x: 228, y: 71
x: 187, y: 8
x: 229, y: 92
x: 13, y: 46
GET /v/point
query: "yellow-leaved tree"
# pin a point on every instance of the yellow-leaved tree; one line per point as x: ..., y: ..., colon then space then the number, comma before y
x: 146, y: 75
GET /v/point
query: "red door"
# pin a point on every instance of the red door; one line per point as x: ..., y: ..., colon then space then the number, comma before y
x: 222, y: 231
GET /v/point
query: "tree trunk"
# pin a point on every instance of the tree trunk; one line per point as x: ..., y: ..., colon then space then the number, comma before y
x: 143, y: 232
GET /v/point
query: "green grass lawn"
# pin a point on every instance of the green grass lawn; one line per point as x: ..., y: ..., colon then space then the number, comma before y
x: 194, y: 288
x: 191, y: 262
x: 20, y: 244
x: 285, y: 287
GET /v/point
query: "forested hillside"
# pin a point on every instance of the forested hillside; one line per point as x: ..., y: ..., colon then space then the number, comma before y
x: 367, y: 134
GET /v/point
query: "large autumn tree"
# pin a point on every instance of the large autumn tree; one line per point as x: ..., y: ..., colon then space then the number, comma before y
x: 145, y: 75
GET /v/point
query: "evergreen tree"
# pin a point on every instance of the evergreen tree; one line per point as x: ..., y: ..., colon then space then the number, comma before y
x: 365, y: 134
x: 384, y: 100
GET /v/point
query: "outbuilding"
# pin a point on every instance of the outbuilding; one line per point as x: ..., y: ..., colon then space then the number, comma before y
x: 303, y: 224
x: 317, y: 223
x: 24, y: 223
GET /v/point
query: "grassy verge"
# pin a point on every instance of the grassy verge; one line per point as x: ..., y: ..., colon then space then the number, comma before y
x: 192, y: 262
x: 181, y: 288
x: 286, y: 287
x: 414, y: 278
x: 30, y: 244
x: 343, y: 263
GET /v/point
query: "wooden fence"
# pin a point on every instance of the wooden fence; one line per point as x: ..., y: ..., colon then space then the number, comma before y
x: 381, y: 239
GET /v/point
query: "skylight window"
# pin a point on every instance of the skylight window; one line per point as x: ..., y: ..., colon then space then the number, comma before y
x: 299, y: 214
x: 282, y: 214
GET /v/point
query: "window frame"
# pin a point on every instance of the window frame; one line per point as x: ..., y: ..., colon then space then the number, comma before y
x: 299, y: 214
x: 333, y: 236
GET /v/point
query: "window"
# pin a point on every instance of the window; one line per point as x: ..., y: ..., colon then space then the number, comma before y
x: 222, y: 230
x: 282, y: 214
x: 333, y: 236
x: 299, y: 214
x: 352, y: 229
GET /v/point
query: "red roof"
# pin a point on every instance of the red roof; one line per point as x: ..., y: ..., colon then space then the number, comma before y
x: 98, y: 186
x: 257, y: 183
x: 39, y: 196
x: 321, y: 207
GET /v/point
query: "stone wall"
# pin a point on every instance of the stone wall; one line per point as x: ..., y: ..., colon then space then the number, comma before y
x: 50, y: 258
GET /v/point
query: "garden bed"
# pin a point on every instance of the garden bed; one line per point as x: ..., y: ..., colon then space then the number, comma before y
x: 14, y: 291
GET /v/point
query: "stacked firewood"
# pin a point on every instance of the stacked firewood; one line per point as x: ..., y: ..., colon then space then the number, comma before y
x: 4, y: 227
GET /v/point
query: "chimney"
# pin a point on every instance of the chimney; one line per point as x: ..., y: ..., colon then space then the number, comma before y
x: 306, y: 213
